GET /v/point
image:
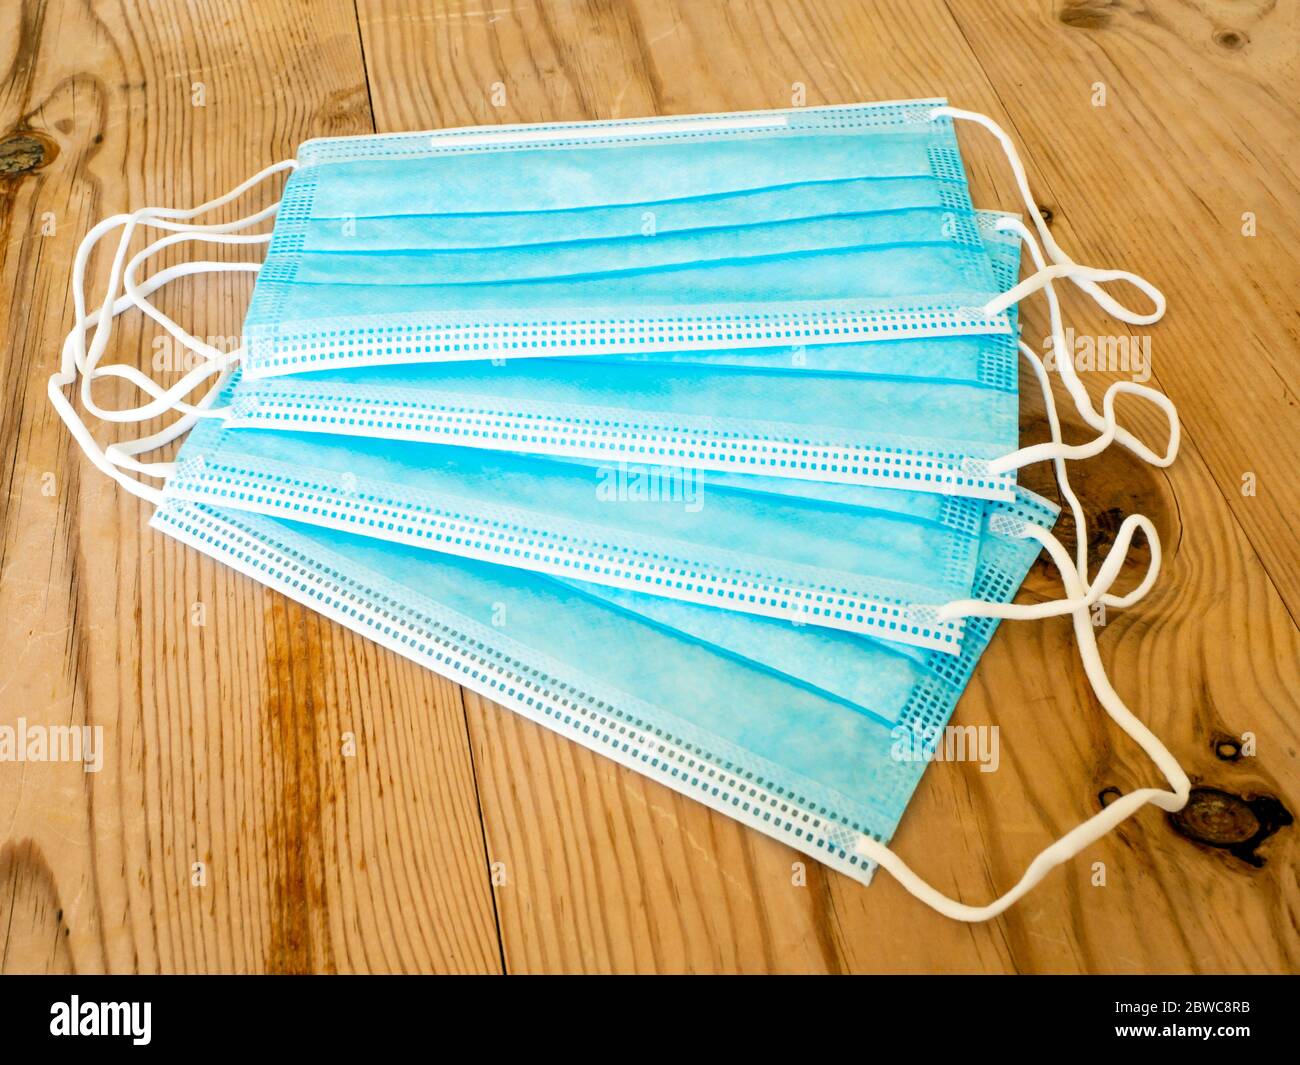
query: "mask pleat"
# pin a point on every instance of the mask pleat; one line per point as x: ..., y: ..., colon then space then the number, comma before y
x: 540, y: 178
x: 356, y: 230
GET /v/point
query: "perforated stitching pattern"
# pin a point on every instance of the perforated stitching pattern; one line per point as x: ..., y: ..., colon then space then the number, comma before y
x: 567, y: 555
x: 930, y: 704
x: 848, y: 118
x: 295, y: 347
x: 618, y: 439
x: 687, y: 768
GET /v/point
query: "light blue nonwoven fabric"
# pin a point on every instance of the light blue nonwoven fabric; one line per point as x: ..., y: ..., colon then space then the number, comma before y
x: 924, y: 414
x: 721, y: 723
x: 879, y: 561
x: 821, y: 225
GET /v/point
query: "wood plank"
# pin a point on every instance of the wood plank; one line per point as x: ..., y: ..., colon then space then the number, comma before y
x: 223, y: 739
x: 224, y: 736
x: 607, y: 872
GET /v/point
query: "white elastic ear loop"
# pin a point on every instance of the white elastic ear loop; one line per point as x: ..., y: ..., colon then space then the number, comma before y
x: 87, y: 442
x: 166, y: 399
x: 158, y: 217
x: 1026, y: 456
x: 169, y: 398
x: 122, y: 454
x: 144, y: 216
x: 75, y: 352
x: 1058, y: 464
x: 182, y: 335
x: 1084, y: 277
x: 1107, y: 424
x: 111, y: 459
x: 1099, y: 589
x: 161, y: 217
x: 1073, y: 271
x: 88, y: 361
x: 1096, y: 826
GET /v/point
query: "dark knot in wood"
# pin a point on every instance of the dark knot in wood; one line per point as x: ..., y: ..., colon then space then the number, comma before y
x: 1230, y: 822
x: 21, y: 153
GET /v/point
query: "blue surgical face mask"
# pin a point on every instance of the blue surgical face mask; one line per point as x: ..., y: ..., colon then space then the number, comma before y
x: 901, y: 413
x: 732, y: 711
x: 859, y: 559
x: 816, y: 225
x: 793, y: 702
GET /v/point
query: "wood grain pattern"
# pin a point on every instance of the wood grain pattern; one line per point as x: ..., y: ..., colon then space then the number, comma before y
x: 1183, y: 161
x: 224, y: 739
x: 462, y: 838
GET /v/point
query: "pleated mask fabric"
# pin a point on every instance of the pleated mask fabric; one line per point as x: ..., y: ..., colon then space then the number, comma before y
x: 738, y: 211
x: 817, y: 225
x: 814, y: 769
x: 927, y: 414
x: 867, y: 560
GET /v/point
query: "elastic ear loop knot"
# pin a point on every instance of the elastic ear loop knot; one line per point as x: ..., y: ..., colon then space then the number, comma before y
x: 1085, y: 277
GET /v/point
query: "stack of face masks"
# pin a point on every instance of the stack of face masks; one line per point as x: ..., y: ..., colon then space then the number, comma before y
x: 693, y: 439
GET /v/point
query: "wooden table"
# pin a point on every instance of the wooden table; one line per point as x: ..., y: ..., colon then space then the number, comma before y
x: 229, y: 831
